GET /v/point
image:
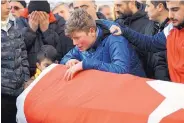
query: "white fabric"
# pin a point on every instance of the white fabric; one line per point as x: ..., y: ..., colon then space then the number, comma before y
x: 20, y: 117
x: 5, y: 25
x: 168, y: 29
x: 174, y: 99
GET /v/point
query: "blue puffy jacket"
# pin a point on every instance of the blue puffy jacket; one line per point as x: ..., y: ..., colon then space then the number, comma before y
x: 111, y: 54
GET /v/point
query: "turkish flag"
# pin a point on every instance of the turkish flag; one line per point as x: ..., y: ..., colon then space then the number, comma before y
x: 92, y: 97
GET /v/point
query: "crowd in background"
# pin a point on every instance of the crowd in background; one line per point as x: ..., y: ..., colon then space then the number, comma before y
x: 37, y: 34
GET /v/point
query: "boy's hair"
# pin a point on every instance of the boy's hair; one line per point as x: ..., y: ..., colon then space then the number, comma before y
x: 79, y: 20
x: 47, y: 51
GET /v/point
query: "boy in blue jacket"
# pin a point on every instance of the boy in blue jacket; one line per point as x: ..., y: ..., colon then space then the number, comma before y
x: 95, y: 49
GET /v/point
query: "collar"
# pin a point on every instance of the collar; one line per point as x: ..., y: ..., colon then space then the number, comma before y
x: 98, y: 40
x: 128, y: 19
x: 6, y: 25
x: 164, y: 24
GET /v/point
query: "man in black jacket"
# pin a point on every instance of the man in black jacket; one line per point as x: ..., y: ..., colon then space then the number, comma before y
x: 14, y: 64
x: 158, y: 12
x: 132, y: 15
x: 40, y: 27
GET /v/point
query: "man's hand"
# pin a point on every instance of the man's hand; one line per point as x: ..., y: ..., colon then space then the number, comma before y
x: 71, y: 63
x: 115, y: 30
x: 71, y: 72
x: 43, y: 21
x: 34, y: 21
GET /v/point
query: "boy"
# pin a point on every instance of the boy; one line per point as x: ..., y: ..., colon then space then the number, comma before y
x: 45, y: 57
x: 97, y: 50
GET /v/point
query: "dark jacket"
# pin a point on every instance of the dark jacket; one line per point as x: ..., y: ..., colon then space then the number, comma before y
x: 159, y: 60
x: 53, y: 36
x: 66, y: 43
x: 14, y: 63
x: 111, y: 54
x: 139, y: 22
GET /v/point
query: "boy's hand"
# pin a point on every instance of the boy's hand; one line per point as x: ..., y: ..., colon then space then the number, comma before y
x: 72, y: 62
x: 71, y: 72
x: 115, y: 30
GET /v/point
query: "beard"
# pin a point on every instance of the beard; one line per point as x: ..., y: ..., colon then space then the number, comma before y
x: 181, y: 25
x: 124, y: 15
x: 128, y: 13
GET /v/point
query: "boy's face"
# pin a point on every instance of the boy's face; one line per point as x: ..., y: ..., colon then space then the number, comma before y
x: 43, y: 64
x: 84, y: 40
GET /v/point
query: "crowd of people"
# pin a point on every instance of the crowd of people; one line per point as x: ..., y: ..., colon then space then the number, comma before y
x: 144, y: 39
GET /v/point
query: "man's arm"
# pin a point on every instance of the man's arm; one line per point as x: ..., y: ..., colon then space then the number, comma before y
x: 72, y: 54
x: 24, y: 62
x: 154, y: 43
x: 147, y: 43
x: 120, y: 59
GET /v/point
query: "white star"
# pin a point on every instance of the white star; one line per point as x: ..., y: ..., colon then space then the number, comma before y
x: 174, y: 99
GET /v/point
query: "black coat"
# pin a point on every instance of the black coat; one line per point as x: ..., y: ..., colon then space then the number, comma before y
x: 14, y: 63
x: 139, y: 22
x: 159, y: 62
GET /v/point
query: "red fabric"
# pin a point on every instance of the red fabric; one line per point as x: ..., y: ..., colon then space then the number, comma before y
x: 175, y: 53
x: 92, y: 97
x: 51, y: 16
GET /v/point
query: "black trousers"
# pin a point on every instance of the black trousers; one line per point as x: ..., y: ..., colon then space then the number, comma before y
x: 8, y: 109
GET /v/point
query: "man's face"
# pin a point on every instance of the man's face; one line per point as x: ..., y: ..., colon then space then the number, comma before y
x: 176, y: 12
x: 84, y: 40
x: 63, y: 11
x: 16, y: 9
x: 106, y: 11
x: 5, y: 9
x: 43, y: 64
x: 122, y: 7
x: 89, y: 6
x: 152, y: 11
